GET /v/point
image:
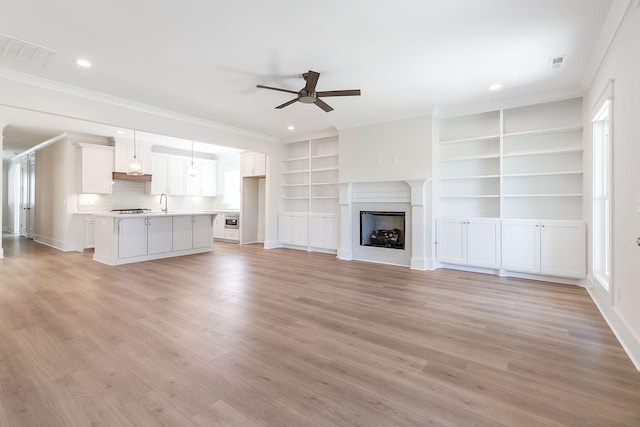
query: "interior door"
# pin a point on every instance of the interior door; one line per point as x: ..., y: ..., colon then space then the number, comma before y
x: 24, y: 196
x: 31, y: 211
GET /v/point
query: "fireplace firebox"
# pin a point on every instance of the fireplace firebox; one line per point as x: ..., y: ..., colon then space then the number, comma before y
x: 382, y: 229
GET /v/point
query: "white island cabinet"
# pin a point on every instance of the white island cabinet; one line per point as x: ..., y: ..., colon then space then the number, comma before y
x: 123, y: 239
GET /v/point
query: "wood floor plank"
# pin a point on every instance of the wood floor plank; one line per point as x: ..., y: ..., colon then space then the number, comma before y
x: 252, y: 337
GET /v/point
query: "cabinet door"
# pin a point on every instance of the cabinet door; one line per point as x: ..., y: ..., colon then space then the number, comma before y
x: 209, y: 178
x: 483, y: 243
x: 317, y: 231
x: 563, y: 248
x: 246, y: 165
x: 89, y: 232
x: 259, y: 164
x: 202, y: 236
x: 132, y: 237
x: 218, y: 227
x: 521, y: 245
x: 176, y: 176
x: 451, y: 235
x: 159, y: 234
x: 300, y: 231
x: 331, y: 233
x: 285, y: 229
x: 182, y: 232
x: 96, y: 169
x: 160, y: 174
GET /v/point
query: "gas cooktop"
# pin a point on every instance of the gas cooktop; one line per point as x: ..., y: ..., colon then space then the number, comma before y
x: 131, y: 211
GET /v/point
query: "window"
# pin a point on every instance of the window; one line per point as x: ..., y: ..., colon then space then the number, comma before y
x: 602, y: 195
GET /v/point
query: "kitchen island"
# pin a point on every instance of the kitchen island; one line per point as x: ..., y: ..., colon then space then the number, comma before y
x: 127, y: 238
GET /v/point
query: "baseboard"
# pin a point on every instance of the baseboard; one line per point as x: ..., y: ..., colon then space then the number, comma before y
x: 418, y: 264
x: 270, y: 244
x: 56, y: 244
x: 629, y: 342
x: 345, y: 254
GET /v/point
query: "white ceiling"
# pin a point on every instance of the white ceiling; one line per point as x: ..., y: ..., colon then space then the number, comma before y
x: 204, y: 58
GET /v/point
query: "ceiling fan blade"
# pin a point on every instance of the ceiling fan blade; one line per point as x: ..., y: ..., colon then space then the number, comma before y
x: 276, y: 88
x: 312, y: 81
x: 287, y: 103
x: 354, y: 92
x: 326, y: 107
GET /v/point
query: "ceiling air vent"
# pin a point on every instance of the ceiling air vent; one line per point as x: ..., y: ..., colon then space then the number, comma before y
x: 557, y: 62
x: 25, y: 53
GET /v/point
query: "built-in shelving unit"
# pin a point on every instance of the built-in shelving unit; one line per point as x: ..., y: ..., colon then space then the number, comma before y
x: 470, y: 165
x: 309, y: 213
x: 520, y: 170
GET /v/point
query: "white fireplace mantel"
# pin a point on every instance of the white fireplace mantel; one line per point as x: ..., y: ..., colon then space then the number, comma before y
x: 411, y: 196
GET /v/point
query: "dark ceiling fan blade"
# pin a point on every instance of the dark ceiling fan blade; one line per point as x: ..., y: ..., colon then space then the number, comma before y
x: 354, y: 92
x: 312, y: 81
x: 287, y: 103
x: 326, y: 107
x: 276, y: 88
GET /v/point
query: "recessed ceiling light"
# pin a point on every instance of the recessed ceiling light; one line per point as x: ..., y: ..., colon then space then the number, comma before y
x: 290, y: 127
x: 120, y: 132
x: 83, y: 63
x: 495, y: 86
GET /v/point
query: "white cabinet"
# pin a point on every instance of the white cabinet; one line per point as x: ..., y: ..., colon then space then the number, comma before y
x: 177, y: 174
x: 468, y: 241
x: 202, y: 236
x: 159, y: 234
x: 218, y: 227
x: 253, y: 164
x: 191, y: 232
x: 555, y: 248
x: 323, y: 231
x: 89, y: 231
x: 132, y: 241
x: 209, y: 178
x: 293, y: 229
x: 232, y: 234
x: 124, y: 151
x: 160, y: 174
x: 96, y: 168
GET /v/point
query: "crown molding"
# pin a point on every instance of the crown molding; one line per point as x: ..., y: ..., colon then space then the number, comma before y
x: 612, y: 22
x: 125, y: 103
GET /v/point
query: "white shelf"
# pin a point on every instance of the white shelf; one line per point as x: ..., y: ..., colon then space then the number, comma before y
x: 474, y: 139
x: 295, y: 159
x: 481, y: 157
x: 576, y: 149
x: 470, y: 196
x: 544, y: 195
x: 324, y: 197
x: 323, y: 183
x: 294, y: 172
x: 516, y: 175
x: 544, y: 131
x: 322, y: 156
x: 296, y: 198
x: 295, y: 185
x: 453, y: 178
x: 324, y: 169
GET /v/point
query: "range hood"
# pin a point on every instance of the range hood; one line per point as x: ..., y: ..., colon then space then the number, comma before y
x: 136, y: 178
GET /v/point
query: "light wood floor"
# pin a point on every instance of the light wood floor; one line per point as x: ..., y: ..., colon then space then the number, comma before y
x: 248, y: 337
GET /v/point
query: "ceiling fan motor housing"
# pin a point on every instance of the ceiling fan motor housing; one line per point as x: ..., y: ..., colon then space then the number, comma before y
x: 307, y: 97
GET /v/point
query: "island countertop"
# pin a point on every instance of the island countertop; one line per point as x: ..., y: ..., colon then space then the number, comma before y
x: 153, y: 213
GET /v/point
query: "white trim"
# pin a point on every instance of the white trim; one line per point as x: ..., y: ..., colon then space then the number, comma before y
x: 122, y: 102
x: 627, y: 339
x: 56, y: 244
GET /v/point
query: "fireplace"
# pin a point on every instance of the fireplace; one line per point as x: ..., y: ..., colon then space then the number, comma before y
x: 382, y: 229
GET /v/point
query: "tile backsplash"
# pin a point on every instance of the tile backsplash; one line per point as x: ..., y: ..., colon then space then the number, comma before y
x: 128, y: 194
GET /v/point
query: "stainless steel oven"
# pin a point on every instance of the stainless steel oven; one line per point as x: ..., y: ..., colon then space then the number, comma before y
x: 232, y: 220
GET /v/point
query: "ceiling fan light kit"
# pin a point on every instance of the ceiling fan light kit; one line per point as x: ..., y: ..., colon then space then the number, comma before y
x: 308, y: 94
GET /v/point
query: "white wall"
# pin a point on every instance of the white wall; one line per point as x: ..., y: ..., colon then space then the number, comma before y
x: 7, y: 215
x: 622, y: 63
x: 392, y: 151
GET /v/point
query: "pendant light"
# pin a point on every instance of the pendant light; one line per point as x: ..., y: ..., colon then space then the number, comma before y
x: 135, y: 165
x: 192, y: 169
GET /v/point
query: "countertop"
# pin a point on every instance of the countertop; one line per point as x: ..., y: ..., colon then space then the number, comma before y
x: 157, y: 213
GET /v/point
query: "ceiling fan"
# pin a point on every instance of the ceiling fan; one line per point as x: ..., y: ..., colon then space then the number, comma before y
x: 308, y: 94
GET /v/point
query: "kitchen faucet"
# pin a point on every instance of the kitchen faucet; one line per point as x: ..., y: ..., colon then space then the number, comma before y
x: 165, y: 210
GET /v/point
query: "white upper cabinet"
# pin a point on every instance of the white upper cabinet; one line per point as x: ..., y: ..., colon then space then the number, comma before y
x: 253, y: 164
x: 209, y: 176
x: 124, y: 151
x: 160, y: 174
x: 177, y: 175
x: 96, y: 168
x: 171, y: 176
